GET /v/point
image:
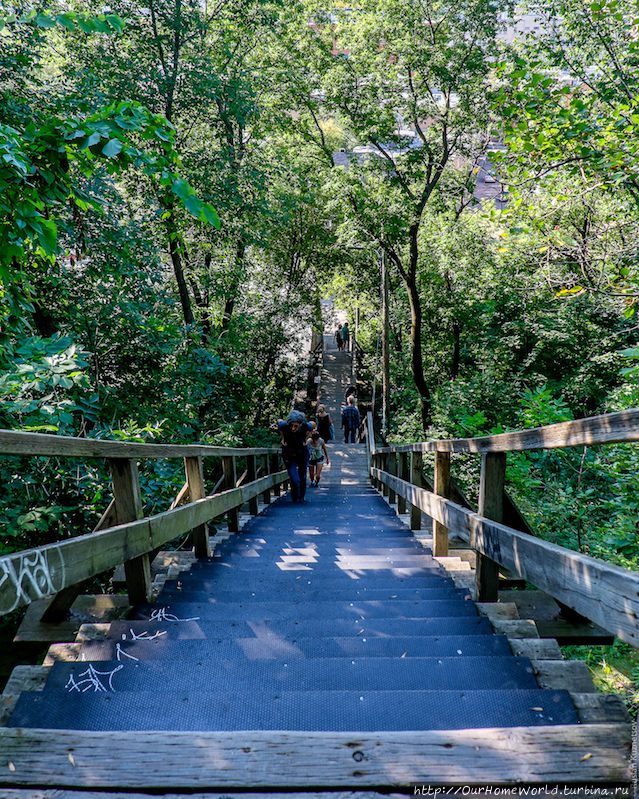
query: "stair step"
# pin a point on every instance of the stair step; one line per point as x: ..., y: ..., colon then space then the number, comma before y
x: 252, y: 611
x: 300, y: 589
x: 450, y: 627
x: 192, y: 594
x: 271, y: 647
x: 364, y: 711
x: 325, y: 674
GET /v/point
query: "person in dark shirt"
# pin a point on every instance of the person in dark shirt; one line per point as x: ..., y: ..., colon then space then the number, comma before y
x: 293, y: 433
x: 350, y: 420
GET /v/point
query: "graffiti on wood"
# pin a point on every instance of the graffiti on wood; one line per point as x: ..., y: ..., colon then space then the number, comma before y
x: 31, y: 575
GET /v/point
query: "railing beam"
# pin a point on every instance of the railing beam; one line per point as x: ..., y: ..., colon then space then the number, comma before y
x: 251, y: 468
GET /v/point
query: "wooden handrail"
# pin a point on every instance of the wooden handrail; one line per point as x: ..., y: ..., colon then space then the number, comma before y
x: 606, y: 594
x: 35, y: 573
x: 16, y: 442
x: 609, y: 428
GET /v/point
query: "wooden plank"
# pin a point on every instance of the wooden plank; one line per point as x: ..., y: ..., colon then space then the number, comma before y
x: 195, y: 481
x: 181, y: 498
x: 441, y: 487
x: 229, y: 464
x: 568, y: 634
x: 491, y: 506
x: 16, y: 442
x: 35, y: 573
x: 608, y: 595
x: 575, y: 754
x: 266, y: 495
x: 251, y: 468
x: 600, y: 708
x: 416, y: 480
x: 404, y: 474
x: 535, y: 648
x: 571, y: 675
x: 128, y: 508
x: 610, y: 428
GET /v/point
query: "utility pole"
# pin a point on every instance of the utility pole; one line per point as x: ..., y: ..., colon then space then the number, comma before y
x: 385, y: 348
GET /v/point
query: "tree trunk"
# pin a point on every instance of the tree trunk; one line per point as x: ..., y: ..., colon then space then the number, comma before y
x: 175, y: 249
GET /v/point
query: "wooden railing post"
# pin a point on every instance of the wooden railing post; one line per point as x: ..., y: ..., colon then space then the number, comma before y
x: 128, y: 508
x: 266, y: 496
x: 274, y: 462
x: 404, y: 474
x: 416, y: 480
x: 229, y: 464
x: 491, y: 505
x: 384, y: 468
x: 391, y: 469
x: 441, y: 487
x: 195, y: 480
x: 251, y: 469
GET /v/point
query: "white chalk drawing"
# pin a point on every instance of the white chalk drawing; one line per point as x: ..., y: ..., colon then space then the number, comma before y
x: 160, y: 614
x: 92, y: 678
x: 33, y: 575
x: 145, y: 635
x: 120, y: 653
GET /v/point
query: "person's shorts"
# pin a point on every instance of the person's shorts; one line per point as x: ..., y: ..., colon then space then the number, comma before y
x: 315, y: 461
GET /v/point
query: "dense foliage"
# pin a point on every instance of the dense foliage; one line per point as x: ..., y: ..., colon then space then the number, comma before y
x: 174, y: 206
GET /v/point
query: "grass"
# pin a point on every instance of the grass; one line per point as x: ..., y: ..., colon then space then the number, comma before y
x: 614, y: 669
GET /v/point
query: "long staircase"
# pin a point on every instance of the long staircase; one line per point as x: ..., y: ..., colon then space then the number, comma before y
x: 323, y: 616
x: 327, y: 616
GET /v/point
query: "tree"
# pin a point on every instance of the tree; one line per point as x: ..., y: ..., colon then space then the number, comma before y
x: 411, y: 80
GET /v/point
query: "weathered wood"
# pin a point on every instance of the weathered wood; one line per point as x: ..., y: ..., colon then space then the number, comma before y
x: 600, y: 708
x: 491, y: 506
x: 441, y: 487
x: 404, y: 474
x: 182, y: 497
x: 128, y: 508
x: 385, y: 462
x: 571, y: 675
x: 266, y: 496
x: 416, y: 480
x: 274, y: 467
x: 575, y: 754
x: 610, y: 428
x: 606, y: 594
x: 15, y: 442
x: 195, y: 480
x: 536, y: 648
x: 61, y: 603
x: 229, y: 464
x: 35, y: 573
x: 574, y: 634
x: 391, y: 468
x: 251, y: 469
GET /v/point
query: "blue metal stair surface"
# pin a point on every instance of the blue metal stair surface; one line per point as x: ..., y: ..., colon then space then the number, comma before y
x: 321, y: 616
x: 278, y: 647
x: 359, y: 609
x: 302, y: 589
x: 321, y: 673
x: 464, y: 626
x: 192, y: 595
x: 347, y: 711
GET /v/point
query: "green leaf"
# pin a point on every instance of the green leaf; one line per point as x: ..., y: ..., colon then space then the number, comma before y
x: 112, y: 148
x: 181, y: 189
x: 43, y: 21
x: 210, y: 215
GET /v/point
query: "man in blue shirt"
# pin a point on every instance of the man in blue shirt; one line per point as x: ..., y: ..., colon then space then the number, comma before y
x: 350, y: 420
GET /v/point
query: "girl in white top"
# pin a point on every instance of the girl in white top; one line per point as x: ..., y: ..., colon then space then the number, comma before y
x: 317, y: 455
